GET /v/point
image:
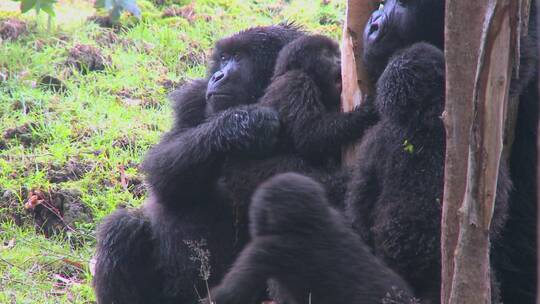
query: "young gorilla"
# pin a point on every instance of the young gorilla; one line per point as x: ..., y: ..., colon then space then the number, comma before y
x: 395, y: 196
x: 305, y: 90
x: 305, y: 247
x: 400, y: 24
x: 186, y: 228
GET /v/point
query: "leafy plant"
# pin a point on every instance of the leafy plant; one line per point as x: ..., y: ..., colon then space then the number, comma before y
x: 115, y: 7
x: 38, y: 5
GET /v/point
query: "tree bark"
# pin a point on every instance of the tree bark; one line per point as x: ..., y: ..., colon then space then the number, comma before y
x: 356, y: 84
x: 479, y: 34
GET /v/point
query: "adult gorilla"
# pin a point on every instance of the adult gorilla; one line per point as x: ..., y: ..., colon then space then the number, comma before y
x: 398, y: 24
x: 185, y: 233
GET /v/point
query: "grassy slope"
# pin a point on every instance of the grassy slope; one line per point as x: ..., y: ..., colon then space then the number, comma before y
x: 107, y: 119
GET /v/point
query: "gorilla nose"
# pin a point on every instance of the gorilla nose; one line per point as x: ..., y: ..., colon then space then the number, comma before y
x: 217, y: 76
x: 375, y: 27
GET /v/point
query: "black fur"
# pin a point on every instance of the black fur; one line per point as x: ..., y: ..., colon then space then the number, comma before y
x: 161, y: 253
x: 395, y: 196
x: 307, y: 250
x: 400, y: 24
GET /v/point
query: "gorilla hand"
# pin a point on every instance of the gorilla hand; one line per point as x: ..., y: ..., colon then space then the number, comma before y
x: 250, y: 130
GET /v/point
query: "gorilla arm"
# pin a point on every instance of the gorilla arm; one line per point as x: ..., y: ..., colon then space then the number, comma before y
x: 316, y: 131
x: 188, y: 157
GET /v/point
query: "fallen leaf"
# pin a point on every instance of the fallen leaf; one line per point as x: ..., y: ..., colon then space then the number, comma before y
x: 35, y: 198
x: 123, y: 178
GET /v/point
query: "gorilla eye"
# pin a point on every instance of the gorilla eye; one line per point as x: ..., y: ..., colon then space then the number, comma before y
x: 224, y: 57
x: 237, y: 56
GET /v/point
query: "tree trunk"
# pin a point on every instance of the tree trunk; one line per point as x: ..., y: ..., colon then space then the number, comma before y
x: 356, y: 84
x: 479, y: 34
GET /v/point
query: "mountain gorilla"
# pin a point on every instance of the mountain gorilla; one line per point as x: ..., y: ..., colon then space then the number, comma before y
x: 185, y: 233
x: 399, y: 24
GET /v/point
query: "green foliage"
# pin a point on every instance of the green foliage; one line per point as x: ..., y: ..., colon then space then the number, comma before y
x: 408, y: 147
x: 46, y: 5
x: 116, y: 7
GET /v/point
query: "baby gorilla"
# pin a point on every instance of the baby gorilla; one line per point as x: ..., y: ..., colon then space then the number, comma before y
x: 307, y: 250
x: 306, y: 91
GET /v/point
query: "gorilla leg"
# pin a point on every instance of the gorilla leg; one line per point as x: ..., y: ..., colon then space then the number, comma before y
x: 307, y: 250
x: 124, y: 270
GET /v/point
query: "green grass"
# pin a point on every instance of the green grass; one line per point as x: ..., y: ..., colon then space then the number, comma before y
x: 106, y: 121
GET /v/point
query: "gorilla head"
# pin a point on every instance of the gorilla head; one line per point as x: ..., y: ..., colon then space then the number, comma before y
x: 320, y: 58
x: 400, y: 23
x: 242, y: 65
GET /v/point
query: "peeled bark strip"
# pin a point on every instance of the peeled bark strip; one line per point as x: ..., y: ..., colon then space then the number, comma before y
x: 489, y: 41
x: 356, y: 84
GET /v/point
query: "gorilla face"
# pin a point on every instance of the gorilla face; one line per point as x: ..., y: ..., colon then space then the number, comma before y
x: 320, y: 58
x: 330, y: 82
x: 242, y: 65
x: 397, y: 24
x: 231, y: 84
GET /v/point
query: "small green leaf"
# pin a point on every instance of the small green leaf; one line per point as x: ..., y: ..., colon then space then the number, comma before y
x: 408, y: 147
x: 27, y: 5
x: 48, y: 8
x: 99, y: 4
